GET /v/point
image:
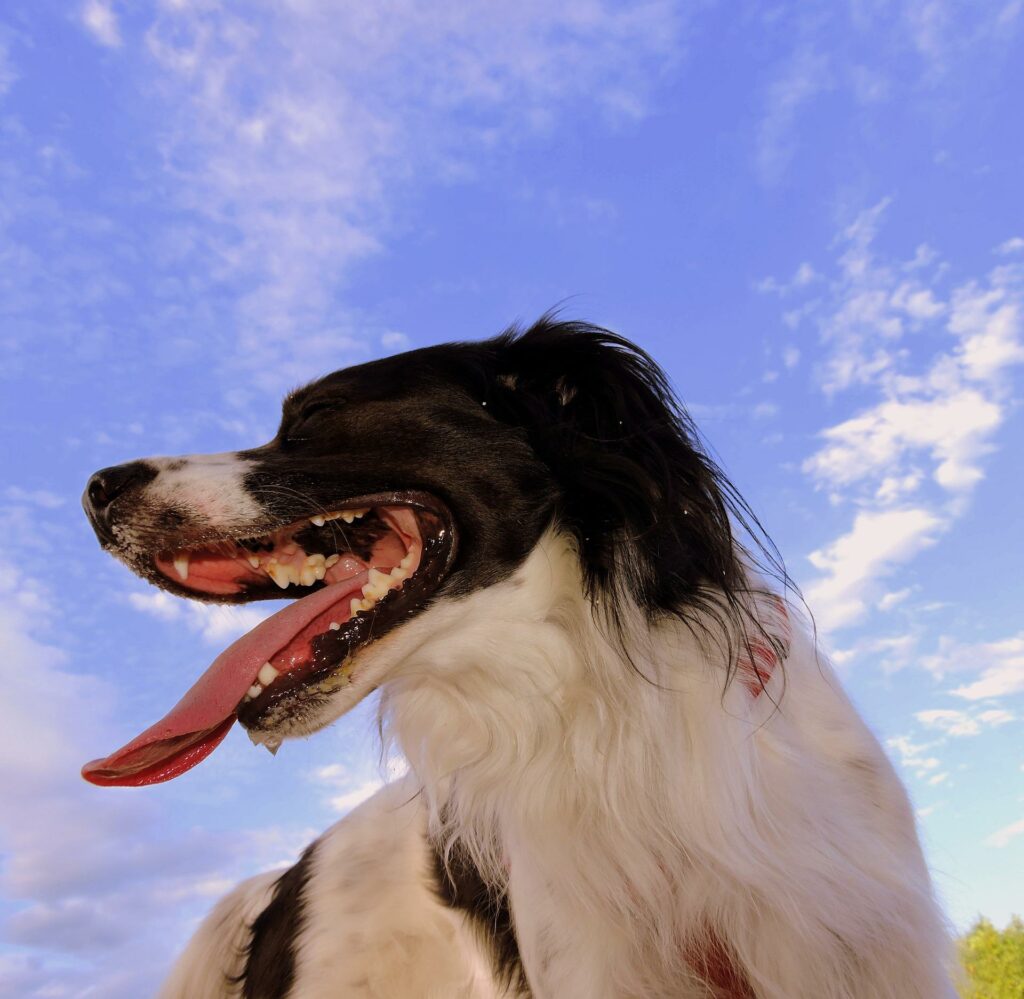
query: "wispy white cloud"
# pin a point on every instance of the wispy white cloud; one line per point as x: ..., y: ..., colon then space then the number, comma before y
x: 216, y: 623
x: 295, y: 140
x: 999, y: 665
x: 853, y: 564
x: 850, y: 52
x: 799, y: 81
x: 944, y: 32
x: 913, y: 756
x: 89, y: 875
x: 908, y: 462
x: 8, y: 74
x: 963, y: 723
x: 1005, y: 836
x: 894, y: 598
x: 347, y: 788
x: 100, y: 21
x: 37, y: 497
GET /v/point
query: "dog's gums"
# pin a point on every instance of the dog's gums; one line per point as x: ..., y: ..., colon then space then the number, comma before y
x: 358, y: 570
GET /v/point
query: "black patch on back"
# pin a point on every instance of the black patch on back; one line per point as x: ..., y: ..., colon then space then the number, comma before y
x: 269, y: 971
x: 460, y: 886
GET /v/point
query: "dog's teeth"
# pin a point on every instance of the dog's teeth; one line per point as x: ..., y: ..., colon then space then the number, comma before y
x: 377, y: 578
x: 279, y: 574
x: 331, y: 560
x: 267, y: 674
x: 317, y: 520
x: 399, y: 574
x: 407, y: 562
x: 347, y: 516
x: 335, y: 626
x: 181, y: 564
x: 255, y: 690
x: 254, y: 562
x: 307, y: 577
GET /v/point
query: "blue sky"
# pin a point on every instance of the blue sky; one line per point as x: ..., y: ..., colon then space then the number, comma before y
x: 810, y: 213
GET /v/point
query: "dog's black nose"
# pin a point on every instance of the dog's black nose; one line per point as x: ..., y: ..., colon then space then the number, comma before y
x: 106, y: 486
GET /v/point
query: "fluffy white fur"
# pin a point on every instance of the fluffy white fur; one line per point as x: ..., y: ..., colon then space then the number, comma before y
x: 633, y: 823
x: 375, y: 927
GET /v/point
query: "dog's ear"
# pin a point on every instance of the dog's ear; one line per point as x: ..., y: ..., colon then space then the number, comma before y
x: 648, y: 508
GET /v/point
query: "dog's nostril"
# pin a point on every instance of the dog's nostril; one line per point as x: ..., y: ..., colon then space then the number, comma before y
x: 97, y: 492
x: 109, y: 483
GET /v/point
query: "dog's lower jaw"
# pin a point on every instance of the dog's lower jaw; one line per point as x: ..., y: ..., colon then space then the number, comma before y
x: 636, y: 824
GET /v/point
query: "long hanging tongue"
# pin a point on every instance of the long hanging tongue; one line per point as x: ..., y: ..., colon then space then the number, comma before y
x: 195, y: 726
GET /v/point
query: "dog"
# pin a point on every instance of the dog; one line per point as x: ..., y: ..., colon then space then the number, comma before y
x: 631, y: 771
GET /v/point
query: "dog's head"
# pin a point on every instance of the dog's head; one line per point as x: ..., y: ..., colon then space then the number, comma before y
x: 394, y: 486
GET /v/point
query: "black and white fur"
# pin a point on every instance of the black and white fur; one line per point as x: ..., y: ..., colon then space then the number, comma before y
x: 595, y: 808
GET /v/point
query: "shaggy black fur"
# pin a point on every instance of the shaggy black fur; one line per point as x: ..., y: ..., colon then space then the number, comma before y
x: 460, y: 886
x: 269, y: 970
x: 562, y: 422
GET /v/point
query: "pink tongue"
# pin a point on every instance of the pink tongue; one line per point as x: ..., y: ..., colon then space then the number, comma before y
x: 195, y: 726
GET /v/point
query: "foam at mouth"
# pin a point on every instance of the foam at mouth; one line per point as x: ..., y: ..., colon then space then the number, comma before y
x: 280, y: 646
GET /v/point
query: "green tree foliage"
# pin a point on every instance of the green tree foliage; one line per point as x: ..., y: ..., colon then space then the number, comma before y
x: 994, y: 961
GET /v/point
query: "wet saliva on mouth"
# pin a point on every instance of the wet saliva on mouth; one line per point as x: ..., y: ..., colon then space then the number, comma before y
x: 362, y: 553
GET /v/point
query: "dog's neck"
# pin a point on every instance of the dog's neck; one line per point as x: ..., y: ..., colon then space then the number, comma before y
x: 548, y: 743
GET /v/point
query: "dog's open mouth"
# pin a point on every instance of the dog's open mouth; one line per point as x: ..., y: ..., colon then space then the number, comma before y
x: 358, y: 569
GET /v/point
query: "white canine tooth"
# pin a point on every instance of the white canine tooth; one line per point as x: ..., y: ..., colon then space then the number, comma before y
x: 255, y: 690
x: 318, y: 521
x: 267, y: 674
x: 335, y: 626
x: 279, y: 574
x: 181, y: 564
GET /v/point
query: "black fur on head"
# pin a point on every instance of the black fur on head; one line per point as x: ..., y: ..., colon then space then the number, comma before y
x: 562, y: 423
x: 651, y: 513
